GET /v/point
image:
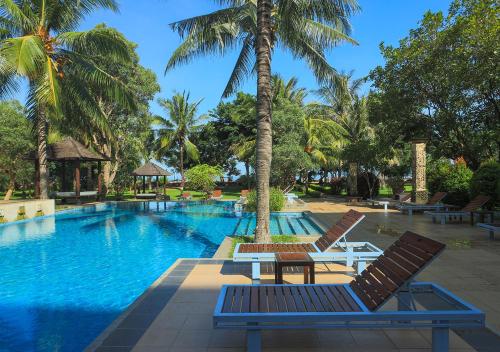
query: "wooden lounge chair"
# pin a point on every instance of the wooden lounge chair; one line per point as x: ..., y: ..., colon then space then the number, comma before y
x: 432, y: 204
x: 331, y: 247
x: 216, y: 194
x: 355, y: 305
x: 185, y: 196
x: 468, y: 210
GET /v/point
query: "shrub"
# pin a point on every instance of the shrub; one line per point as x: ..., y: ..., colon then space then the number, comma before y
x: 276, y: 200
x: 442, y: 176
x: 486, y: 180
x: 364, y: 187
x: 202, y: 178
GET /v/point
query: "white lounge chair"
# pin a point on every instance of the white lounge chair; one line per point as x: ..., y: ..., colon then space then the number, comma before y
x: 433, y: 204
x: 468, y: 210
x: 332, y: 246
x: 355, y: 305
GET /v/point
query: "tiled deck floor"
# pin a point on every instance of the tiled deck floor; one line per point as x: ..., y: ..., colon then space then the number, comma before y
x: 185, y: 322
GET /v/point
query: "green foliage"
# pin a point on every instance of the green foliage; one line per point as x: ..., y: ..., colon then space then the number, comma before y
x: 442, y: 83
x: 486, y: 180
x: 250, y: 239
x: 276, y: 200
x: 16, y: 142
x: 368, y: 185
x: 454, y: 179
x: 203, y: 177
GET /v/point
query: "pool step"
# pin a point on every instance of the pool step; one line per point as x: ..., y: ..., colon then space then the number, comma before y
x: 306, y: 230
x: 235, y: 232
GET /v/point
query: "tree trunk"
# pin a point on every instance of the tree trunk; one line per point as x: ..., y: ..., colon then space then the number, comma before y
x: 352, y: 179
x: 247, y: 170
x: 41, y: 127
x: 264, y: 109
x: 10, y: 188
x: 183, y: 181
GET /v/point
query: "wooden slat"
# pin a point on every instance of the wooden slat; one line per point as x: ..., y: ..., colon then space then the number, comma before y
x: 354, y: 306
x: 297, y: 299
x: 332, y: 299
x: 323, y: 299
x: 343, y: 303
x: 437, y: 197
x: 254, y: 299
x: 238, y: 296
x: 280, y: 299
x: 476, y: 203
x: 306, y: 299
x: 245, y: 304
x: 362, y: 296
x: 263, y: 306
x: 271, y: 299
x: 290, y: 301
x: 228, y: 300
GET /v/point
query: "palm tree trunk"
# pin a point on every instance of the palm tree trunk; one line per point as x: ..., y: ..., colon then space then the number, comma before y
x: 352, y: 179
x: 247, y: 171
x: 10, y: 187
x: 41, y: 126
x: 264, y: 137
x: 181, y: 159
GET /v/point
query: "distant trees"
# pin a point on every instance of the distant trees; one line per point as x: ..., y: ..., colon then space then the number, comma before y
x: 16, y: 141
x: 442, y: 82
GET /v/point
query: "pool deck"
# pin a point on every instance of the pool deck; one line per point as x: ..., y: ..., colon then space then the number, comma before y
x: 175, y: 314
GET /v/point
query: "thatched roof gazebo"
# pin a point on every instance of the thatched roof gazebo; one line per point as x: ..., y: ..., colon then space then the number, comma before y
x: 70, y: 150
x: 150, y: 169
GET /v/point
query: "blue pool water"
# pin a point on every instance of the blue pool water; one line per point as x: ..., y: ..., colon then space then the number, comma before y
x: 64, y: 278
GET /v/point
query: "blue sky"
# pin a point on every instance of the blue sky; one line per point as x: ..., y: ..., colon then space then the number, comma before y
x: 146, y: 23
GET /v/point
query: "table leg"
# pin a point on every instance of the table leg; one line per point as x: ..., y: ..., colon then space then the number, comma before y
x: 306, y: 274
x: 280, y: 274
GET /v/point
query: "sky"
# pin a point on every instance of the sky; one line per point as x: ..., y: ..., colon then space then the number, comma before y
x: 146, y: 22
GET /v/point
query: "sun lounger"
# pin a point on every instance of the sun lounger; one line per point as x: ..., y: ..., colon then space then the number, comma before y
x: 145, y: 196
x: 66, y: 195
x: 468, y: 210
x: 433, y: 204
x: 356, y: 305
x: 331, y: 247
x: 217, y: 194
x: 403, y: 198
x: 185, y: 196
x: 492, y: 228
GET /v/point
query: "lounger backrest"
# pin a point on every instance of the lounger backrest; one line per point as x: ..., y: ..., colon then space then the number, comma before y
x: 404, y: 197
x: 396, y: 267
x: 476, y: 203
x: 436, y: 198
x: 339, y: 230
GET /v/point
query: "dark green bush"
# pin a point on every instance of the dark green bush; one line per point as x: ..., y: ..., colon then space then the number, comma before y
x: 276, y: 200
x: 442, y: 176
x: 364, y: 188
x: 486, y: 180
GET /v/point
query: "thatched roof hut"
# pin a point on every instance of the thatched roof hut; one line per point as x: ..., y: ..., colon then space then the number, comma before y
x: 150, y: 169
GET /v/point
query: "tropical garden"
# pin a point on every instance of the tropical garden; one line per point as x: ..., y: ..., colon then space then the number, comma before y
x: 351, y: 135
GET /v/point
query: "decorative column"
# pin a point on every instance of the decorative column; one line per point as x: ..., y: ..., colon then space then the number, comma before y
x: 419, y: 194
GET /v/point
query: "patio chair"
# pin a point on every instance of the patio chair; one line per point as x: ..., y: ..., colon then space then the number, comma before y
x: 216, y: 194
x: 432, y: 204
x: 356, y: 305
x: 332, y: 246
x: 468, y: 210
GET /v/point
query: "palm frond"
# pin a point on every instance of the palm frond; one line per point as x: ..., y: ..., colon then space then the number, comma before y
x: 243, y: 67
x: 25, y: 55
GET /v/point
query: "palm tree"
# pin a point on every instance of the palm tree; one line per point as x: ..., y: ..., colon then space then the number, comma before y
x: 287, y: 90
x: 244, y: 150
x: 305, y: 27
x: 38, y: 43
x: 175, y: 130
x: 350, y: 112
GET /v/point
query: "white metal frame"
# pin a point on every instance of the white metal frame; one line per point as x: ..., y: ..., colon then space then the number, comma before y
x: 466, y: 316
x: 491, y: 228
x: 443, y: 215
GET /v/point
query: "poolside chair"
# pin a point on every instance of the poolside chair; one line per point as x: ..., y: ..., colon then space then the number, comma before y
x: 332, y: 246
x: 355, y: 305
x: 432, y: 204
x: 185, y: 196
x: 468, y: 210
x: 216, y: 194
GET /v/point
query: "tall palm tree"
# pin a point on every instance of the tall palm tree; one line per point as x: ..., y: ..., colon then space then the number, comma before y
x: 305, y: 27
x: 344, y: 105
x: 287, y: 90
x: 38, y: 43
x: 175, y: 130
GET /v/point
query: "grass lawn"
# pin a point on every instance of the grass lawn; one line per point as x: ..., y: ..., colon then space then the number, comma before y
x: 249, y: 239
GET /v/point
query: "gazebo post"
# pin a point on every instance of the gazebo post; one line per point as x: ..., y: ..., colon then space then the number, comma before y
x: 143, y: 184
x: 164, y: 185
x: 99, y: 180
x: 63, y: 175
x: 156, y: 184
x: 37, y: 179
x: 135, y: 186
x: 77, y: 181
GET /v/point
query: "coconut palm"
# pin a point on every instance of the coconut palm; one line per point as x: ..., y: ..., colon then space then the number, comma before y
x: 175, y: 130
x: 304, y: 27
x: 287, y: 90
x: 349, y: 110
x: 38, y: 43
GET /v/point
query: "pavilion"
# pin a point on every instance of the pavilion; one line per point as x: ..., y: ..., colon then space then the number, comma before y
x: 150, y: 169
x: 71, y: 151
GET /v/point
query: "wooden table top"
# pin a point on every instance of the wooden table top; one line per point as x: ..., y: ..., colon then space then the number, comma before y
x: 293, y: 257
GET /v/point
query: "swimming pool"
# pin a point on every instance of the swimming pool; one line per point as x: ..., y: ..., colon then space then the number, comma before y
x: 64, y: 278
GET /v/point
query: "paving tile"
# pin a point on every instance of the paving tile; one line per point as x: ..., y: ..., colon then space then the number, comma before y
x: 137, y: 321
x: 192, y: 339
x: 372, y: 339
x: 228, y: 339
x: 158, y: 337
x: 406, y: 338
x: 123, y: 337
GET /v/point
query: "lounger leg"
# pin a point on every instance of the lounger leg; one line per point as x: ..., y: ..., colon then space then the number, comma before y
x: 254, y: 341
x: 255, y: 271
x: 385, y: 207
x: 410, y: 212
x: 443, y: 220
x: 361, y: 265
x: 440, y: 339
x: 350, y: 259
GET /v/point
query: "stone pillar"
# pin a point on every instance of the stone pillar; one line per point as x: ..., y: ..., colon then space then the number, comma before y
x: 352, y: 179
x: 419, y: 194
